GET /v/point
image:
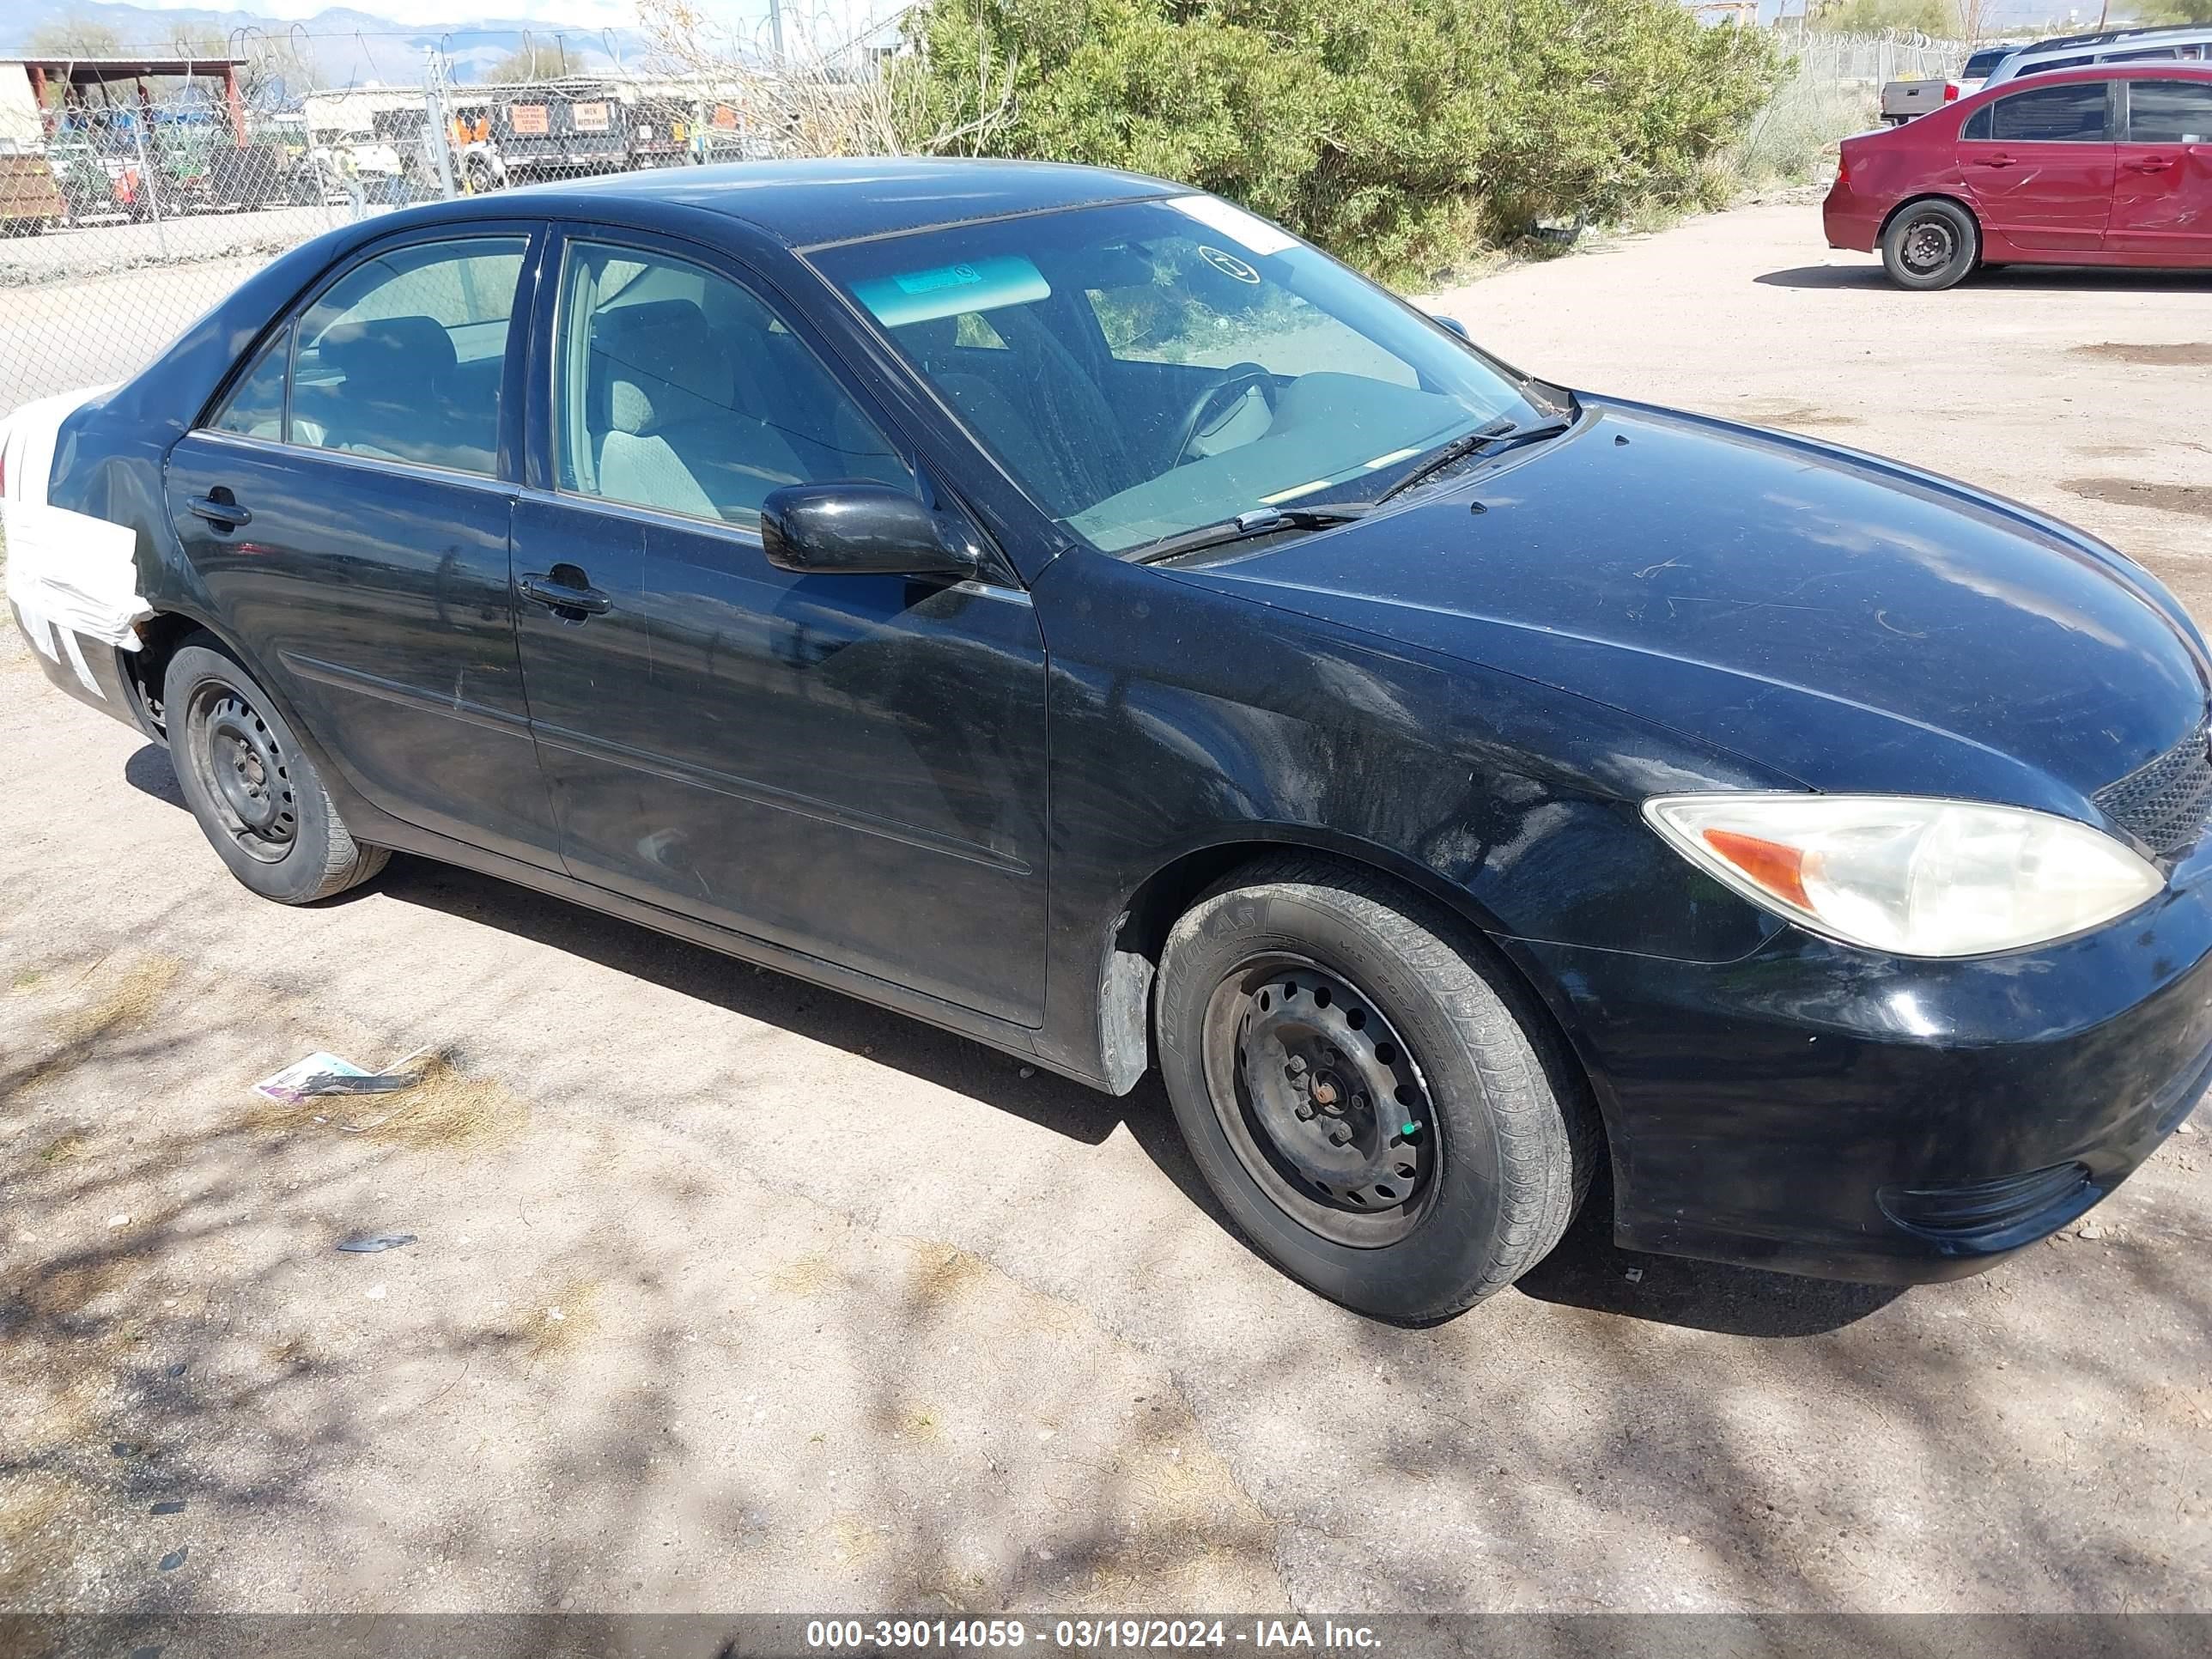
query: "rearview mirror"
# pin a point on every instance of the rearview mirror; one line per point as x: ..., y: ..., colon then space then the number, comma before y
x: 855, y: 529
x: 1452, y: 323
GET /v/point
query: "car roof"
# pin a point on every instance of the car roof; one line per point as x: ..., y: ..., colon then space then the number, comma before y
x: 807, y: 202
x: 2172, y: 69
x: 2118, y: 41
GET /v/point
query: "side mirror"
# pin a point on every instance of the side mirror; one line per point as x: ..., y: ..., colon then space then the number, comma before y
x: 1452, y: 323
x: 857, y: 529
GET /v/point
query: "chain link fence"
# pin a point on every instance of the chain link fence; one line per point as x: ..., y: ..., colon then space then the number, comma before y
x: 1834, y: 89
x: 126, y: 211
x: 131, y: 204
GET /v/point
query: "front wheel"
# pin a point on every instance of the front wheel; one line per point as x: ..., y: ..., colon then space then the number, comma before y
x: 1931, y: 245
x: 1376, y: 1106
x: 257, y: 797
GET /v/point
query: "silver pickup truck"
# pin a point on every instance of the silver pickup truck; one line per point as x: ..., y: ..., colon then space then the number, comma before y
x: 1902, y: 100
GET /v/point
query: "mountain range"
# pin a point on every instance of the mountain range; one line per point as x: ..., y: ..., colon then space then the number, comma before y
x: 344, y: 46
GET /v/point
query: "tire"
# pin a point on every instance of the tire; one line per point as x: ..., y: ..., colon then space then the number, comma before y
x: 269, y: 818
x: 1931, y: 245
x: 1504, y: 1137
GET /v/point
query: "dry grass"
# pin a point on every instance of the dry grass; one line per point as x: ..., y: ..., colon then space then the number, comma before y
x: 449, y: 1107
x: 66, y: 1148
x: 942, y: 1272
x: 39, y: 1515
x: 127, y: 1003
x: 806, y: 1275
x: 563, y: 1323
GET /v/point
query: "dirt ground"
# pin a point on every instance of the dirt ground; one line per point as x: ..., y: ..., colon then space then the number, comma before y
x: 726, y: 1293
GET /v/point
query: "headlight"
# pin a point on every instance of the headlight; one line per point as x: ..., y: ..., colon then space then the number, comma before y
x: 1907, y: 874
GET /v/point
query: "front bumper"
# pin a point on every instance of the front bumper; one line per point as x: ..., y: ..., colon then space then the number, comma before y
x: 1819, y: 1110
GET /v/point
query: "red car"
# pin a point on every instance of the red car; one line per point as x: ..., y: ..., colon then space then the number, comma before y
x: 2109, y: 166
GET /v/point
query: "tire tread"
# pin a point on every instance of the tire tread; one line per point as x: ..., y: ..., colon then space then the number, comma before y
x: 1547, y: 1132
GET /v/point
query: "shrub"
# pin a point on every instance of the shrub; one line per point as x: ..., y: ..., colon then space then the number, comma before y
x: 1396, y: 133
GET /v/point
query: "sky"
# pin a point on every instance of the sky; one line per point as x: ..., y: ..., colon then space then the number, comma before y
x: 623, y: 14
x: 579, y: 13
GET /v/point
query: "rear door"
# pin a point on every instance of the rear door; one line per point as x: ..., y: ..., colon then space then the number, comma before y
x: 2038, y: 164
x: 347, y: 507
x: 2162, y: 195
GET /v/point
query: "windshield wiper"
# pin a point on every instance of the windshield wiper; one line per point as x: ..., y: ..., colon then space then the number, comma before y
x: 1260, y: 521
x: 1501, y: 434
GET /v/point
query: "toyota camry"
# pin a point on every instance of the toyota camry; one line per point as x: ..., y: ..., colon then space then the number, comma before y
x: 1067, y: 608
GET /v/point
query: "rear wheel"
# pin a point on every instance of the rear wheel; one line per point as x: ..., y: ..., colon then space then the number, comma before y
x: 1931, y: 245
x: 257, y: 797
x: 1372, y: 1101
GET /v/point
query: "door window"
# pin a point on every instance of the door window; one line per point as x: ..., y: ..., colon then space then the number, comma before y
x: 255, y: 408
x: 680, y: 390
x: 2070, y: 114
x: 403, y: 357
x: 2169, y: 113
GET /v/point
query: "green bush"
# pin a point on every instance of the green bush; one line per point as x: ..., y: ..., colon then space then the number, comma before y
x: 1396, y: 133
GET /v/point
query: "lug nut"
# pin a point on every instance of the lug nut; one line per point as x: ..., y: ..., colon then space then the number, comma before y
x: 1340, y: 1136
x: 1305, y: 1111
x: 1296, y: 1066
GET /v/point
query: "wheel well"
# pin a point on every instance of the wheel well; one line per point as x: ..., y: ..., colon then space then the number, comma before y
x: 1890, y: 218
x: 1141, y: 933
x: 148, y: 667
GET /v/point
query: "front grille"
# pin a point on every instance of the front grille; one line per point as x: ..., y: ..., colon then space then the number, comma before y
x: 2163, y: 804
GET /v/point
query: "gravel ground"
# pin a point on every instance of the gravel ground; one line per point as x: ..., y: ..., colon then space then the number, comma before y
x: 727, y: 1293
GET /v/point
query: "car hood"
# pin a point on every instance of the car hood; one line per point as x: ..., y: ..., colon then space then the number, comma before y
x: 1846, y: 621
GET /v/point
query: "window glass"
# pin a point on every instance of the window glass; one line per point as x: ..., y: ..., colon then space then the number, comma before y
x: 2159, y: 54
x: 1977, y: 125
x: 403, y: 357
x: 680, y: 390
x: 1165, y: 365
x: 2051, y: 115
x: 2169, y: 113
x: 256, y: 406
x: 1178, y: 310
x: 2050, y: 64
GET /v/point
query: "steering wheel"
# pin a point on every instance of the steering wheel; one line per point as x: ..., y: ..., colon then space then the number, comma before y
x: 1238, y: 377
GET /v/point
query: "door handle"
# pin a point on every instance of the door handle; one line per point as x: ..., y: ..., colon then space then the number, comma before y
x: 2149, y: 164
x: 1993, y: 160
x: 559, y: 596
x: 223, y: 515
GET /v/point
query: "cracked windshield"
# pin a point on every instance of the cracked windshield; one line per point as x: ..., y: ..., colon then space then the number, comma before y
x: 1146, y: 369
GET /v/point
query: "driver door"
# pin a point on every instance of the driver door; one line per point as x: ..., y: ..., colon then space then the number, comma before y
x: 850, y: 766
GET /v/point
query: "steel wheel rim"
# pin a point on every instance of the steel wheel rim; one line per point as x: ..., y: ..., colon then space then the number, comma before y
x: 242, y: 771
x: 1930, y: 244
x: 1315, y: 1090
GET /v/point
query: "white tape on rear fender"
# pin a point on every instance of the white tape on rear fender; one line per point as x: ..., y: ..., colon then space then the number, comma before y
x: 68, y: 574
x: 77, y: 572
x: 83, y: 668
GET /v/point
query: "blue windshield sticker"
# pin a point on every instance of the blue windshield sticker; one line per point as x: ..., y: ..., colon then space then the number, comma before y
x: 921, y: 296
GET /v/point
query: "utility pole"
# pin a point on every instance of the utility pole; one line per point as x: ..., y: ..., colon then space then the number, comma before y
x: 776, y: 28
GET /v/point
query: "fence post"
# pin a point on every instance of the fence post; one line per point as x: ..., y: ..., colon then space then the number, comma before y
x: 434, y: 127
x: 146, y: 187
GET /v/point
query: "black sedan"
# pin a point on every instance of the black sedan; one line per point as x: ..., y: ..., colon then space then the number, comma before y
x: 1078, y: 613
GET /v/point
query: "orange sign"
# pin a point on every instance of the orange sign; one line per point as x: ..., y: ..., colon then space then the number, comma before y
x: 529, y: 120
x: 725, y: 117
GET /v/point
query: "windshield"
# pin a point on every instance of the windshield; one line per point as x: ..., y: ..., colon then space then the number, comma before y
x: 1146, y: 369
x: 1979, y: 65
